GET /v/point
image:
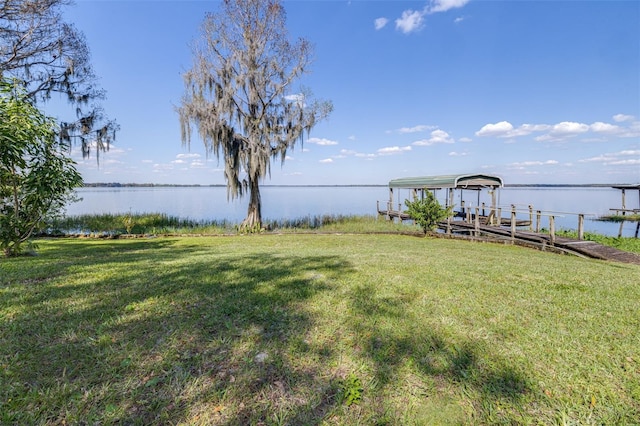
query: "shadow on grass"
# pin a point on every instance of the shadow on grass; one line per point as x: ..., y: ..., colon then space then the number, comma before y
x: 164, y: 334
x: 167, y: 333
x: 448, y: 359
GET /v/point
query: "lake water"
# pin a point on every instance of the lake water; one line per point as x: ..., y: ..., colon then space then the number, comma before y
x: 278, y: 202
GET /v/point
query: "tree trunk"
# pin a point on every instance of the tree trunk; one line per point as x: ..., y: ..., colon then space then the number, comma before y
x: 253, y: 221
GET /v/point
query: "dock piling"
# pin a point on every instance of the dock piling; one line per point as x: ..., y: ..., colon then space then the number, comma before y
x: 530, y: 217
x: 581, y: 226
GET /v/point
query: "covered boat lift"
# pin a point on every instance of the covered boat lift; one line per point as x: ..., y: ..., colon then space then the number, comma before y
x: 475, y: 182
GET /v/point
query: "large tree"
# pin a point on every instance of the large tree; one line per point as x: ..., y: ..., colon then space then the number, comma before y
x: 50, y: 56
x: 239, y: 94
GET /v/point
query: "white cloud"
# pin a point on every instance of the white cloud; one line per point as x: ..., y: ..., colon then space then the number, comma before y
x: 465, y: 140
x: 415, y: 129
x: 569, y: 128
x: 600, y: 127
x: 162, y: 167
x: 322, y: 141
x: 527, y: 129
x: 183, y: 156
x: 459, y: 19
x: 380, y: 23
x: 327, y: 161
x: 444, y: 5
x: 504, y: 129
x: 147, y: 161
x: 413, y: 20
x: 534, y: 163
x: 297, y: 98
x: 624, y: 163
x: 616, y: 158
x: 112, y: 161
x: 501, y: 129
x: 619, y: 118
x: 410, y: 21
x: 564, y: 130
x: 363, y: 155
x: 437, y: 136
x: 393, y: 150
x: 633, y: 131
x: 458, y: 154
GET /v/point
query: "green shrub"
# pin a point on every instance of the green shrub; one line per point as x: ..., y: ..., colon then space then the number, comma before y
x: 427, y: 212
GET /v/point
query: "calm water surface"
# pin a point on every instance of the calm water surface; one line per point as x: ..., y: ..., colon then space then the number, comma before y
x: 210, y: 203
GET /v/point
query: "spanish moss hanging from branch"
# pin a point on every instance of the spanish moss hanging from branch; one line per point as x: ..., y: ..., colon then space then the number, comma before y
x: 239, y: 96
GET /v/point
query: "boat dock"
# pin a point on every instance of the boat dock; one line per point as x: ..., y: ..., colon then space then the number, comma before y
x: 542, y: 241
x: 487, y: 221
x: 525, y: 232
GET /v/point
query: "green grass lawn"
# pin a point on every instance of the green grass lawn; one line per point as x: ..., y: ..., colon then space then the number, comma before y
x: 316, y: 330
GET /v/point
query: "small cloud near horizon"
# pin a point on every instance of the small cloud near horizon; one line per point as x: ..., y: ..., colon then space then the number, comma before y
x: 322, y: 141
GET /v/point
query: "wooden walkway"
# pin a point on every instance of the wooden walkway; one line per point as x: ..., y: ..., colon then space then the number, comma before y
x: 543, y: 241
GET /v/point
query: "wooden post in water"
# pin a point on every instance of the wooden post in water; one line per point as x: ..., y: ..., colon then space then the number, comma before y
x: 530, y: 217
x: 493, y: 201
x: 552, y: 229
x: 513, y: 221
x: 624, y: 207
x: 499, y: 223
x: 581, y: 226
x: 538, y: 219
x: 483, y: 212
x: 477, y: 222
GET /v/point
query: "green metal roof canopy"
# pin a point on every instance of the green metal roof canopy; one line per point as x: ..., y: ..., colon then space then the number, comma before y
x: 448, y: 181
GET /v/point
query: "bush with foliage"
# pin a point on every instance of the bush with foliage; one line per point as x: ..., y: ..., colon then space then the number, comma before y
x: 37, y: 177
x: 427, y: 211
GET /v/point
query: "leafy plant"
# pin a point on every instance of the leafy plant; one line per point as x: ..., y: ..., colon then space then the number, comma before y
x: 37, y: 178
x: 350, y: 390
x: 427, y: 212
x: 128, y: 222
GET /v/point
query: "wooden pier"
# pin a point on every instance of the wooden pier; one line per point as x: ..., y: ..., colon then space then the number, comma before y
x: 473, y: 224
x: 487, y: 221
x: 542, y: 241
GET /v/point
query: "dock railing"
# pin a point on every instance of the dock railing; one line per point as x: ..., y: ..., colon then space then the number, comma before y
x: 517, y: 218
x: 533, y: 218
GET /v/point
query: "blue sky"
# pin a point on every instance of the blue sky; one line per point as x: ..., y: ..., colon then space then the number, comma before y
x: 533, y: 91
